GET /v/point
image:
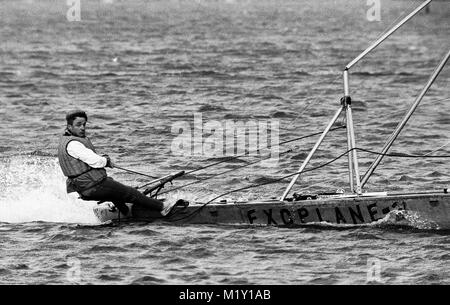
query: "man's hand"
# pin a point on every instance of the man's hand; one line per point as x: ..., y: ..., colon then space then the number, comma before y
x: 109, y: 163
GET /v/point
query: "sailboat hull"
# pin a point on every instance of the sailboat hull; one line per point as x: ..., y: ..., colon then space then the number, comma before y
x: 431, y: 208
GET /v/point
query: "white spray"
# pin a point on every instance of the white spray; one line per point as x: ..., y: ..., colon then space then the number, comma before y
x: 32, y: 188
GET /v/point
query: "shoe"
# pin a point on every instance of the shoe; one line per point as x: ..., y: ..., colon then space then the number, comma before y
x: 168, y: 206
x: 182, y: 203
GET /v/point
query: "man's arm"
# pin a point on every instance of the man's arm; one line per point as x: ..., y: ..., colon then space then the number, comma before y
x: 79, y: 151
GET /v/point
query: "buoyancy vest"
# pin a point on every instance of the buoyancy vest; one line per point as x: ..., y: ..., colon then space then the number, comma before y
x: 80, y: 176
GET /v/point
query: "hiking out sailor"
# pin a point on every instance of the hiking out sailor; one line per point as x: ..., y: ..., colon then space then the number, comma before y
x: 86, y: 174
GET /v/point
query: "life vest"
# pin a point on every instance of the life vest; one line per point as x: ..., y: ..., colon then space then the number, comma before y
x: 80, y: 176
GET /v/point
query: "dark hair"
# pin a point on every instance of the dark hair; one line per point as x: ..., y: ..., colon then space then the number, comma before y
x: 70, y: 117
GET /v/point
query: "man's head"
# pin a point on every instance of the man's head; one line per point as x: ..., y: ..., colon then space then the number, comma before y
x: 76, y: 123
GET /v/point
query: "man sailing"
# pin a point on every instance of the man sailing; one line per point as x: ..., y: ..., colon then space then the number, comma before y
x: 86, y: 174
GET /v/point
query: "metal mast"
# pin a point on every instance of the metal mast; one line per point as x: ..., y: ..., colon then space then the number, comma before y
x: 346, y: 105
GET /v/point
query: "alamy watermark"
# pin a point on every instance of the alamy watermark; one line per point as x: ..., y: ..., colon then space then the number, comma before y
x: 74, y: 11
x: 227, y: 138
x: 373, y: 271
x: 374, y: 11
x: 73, y: 274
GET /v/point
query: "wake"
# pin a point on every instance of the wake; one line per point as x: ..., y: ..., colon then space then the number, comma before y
x: 32, y: 188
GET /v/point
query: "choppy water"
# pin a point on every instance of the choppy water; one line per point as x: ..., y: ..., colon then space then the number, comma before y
x: 139, y: 67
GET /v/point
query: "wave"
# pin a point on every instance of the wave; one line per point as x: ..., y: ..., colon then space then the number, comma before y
x: 368, y: 73
x: 283, y: 114
x: 265, y: 180
x: 199, y: 73
x: 106, y: 74
x: 32, y: 188
x: 301, y: 73
x: 44, y: 74
x: 7, y: 75
x: 394, y: 220
x: 406, y: 219
x: 175, y: 66
x: 211, y: 107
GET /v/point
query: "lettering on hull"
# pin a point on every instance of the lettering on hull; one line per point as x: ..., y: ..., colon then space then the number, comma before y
x: 269, y: 217
x: 286, y: 217
x: 356, y: 213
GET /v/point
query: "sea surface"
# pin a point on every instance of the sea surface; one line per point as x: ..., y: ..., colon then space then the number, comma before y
x: 141, y: 69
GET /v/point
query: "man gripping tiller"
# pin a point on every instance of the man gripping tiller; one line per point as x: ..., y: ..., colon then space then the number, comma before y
x: 86, y: 174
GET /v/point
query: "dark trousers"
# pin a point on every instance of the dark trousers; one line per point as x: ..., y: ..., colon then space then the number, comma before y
x: 117, y: 193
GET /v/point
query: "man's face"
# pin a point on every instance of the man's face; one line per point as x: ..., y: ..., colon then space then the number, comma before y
x: 78, y: 127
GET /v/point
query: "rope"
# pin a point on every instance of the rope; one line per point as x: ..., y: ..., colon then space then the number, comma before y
x: 433, y: 151
x: 210, y: 177
x: 248, y: 152
x: 134, y: 172
x: 235, y: 157
x: 259, y: 184
x: 305, y: 171
x: 401, y: 155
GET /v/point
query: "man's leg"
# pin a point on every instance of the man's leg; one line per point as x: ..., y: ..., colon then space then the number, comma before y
x: 118, y: 193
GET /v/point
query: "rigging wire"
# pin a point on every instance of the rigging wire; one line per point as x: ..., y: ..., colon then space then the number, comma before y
x: 435, y: 150
x: 224, y: 172
x: 398, y: 155
x: 309, y: 104
x: 257, y: 185
x: 403, y: 111
x: 402, y: 15
x: 248, y: 152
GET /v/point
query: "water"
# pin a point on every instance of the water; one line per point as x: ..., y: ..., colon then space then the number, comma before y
x: 138, y: 67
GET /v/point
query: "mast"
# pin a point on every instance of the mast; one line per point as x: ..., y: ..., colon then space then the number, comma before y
x: 346, y: 105
x: 405, y: 120
x: 311, y: 153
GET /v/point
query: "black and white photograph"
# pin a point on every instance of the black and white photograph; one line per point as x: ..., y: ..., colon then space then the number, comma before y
x: 224, y: 149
